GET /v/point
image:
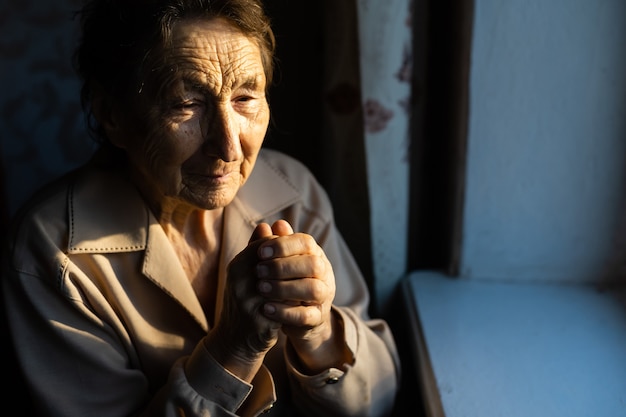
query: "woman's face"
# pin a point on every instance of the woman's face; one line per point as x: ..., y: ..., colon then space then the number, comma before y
x: 199, y: 137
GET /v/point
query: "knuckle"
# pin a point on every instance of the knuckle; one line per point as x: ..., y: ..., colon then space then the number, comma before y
x: 308, y: 315
x: 317, y: 290
x: 318, y: 264
x: 308, y: 242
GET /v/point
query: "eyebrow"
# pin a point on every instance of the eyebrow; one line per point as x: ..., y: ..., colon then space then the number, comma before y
x: 195, y: 83
x: 251, y: 82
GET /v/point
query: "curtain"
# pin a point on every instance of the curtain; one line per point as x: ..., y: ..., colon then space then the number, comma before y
x: 367, y: 84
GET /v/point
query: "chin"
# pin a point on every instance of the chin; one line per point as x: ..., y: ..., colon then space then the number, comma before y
x: 209, y: 198
x: 216, y: 202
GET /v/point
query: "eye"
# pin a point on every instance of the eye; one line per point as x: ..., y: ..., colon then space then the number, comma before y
x: 243, y: 99
x: 186, y: 104
x: 182, y: 109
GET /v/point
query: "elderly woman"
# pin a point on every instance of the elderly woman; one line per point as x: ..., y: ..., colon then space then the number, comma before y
x: 184, y: 271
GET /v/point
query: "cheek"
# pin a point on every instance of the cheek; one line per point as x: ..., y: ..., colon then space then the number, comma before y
x: 184, y: 139
x: 251, y: 145
x: 172, y: 146
x: 257, y: 128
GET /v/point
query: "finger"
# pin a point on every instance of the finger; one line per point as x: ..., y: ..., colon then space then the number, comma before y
x: 290, y: 245
x: 298, y: 266
x: 296, y: 291
x: 282, y: 228
x: 260, y: 231
x: 307, y: 316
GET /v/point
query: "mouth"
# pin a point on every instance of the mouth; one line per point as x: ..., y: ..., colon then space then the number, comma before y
x: 213, y: 178
x: 219, y: 174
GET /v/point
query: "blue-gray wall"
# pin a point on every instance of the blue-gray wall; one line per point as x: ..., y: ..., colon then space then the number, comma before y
x: 546, y: 173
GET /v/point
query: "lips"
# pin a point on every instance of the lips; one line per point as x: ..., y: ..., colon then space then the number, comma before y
x: 218, y: 174
x: 213, y: 171
x: 213, y: 177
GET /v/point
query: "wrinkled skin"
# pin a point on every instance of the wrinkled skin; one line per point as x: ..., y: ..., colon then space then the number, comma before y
x: 190, y: 151
x: 290, y: 289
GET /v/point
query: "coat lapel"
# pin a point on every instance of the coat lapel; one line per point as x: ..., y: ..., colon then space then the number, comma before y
x: 162, y: 266
x: 102, y: 224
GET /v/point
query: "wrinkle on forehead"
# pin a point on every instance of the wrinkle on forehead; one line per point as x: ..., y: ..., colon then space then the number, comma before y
x: 215, y: 54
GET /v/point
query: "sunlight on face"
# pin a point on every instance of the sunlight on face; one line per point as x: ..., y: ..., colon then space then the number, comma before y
x: 205, y: 132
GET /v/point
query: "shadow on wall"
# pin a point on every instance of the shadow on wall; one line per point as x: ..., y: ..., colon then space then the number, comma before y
x: 43, y: 127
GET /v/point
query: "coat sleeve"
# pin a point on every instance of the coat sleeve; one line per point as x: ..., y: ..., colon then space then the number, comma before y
x: 77, y: 358
x: 368, y: 386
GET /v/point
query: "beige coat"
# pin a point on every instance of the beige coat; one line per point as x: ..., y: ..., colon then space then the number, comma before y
x: 106, y: 323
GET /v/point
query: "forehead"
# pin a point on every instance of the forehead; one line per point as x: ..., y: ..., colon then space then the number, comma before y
x: 214, y: 49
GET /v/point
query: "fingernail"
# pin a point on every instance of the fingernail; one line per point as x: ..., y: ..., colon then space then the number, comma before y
x: 262, y: 271
x: 265, y: 286
x: 269, y: 309
x: 267, y: 252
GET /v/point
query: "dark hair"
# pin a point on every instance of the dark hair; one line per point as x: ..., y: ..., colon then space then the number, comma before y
x: 119, y: 36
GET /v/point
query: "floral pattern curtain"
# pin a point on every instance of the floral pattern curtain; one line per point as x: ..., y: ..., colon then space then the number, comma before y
x: 369, y: 64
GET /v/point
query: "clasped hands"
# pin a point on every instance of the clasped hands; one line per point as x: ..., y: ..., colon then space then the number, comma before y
x: 281, y: 281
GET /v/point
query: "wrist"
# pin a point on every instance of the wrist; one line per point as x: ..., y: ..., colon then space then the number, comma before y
x: 241, y: 363
x: 322, y: 350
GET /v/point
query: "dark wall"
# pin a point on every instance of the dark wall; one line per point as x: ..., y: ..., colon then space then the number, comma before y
x: 316, y: 110
x: 296, y: 97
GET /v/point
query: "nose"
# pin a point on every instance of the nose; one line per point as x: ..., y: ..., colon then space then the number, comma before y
x: 221, y: 134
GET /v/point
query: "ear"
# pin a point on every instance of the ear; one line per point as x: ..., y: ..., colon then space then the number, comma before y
x: 108, y: 115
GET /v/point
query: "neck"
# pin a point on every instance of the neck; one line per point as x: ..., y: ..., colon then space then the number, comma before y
x: 195, y: 236
x: 197, y: 227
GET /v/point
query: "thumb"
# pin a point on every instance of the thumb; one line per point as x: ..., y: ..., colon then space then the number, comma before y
x: 260, y: 231
x: 282, y: 228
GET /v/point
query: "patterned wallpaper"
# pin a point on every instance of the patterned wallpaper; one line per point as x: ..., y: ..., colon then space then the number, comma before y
x: 41, y: 123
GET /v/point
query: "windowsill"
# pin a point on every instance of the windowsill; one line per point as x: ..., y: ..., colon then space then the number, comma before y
x: 493, y: 348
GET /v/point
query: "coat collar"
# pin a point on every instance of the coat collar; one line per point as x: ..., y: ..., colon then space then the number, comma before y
x: 266, y: 192
x: 108, y: 215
